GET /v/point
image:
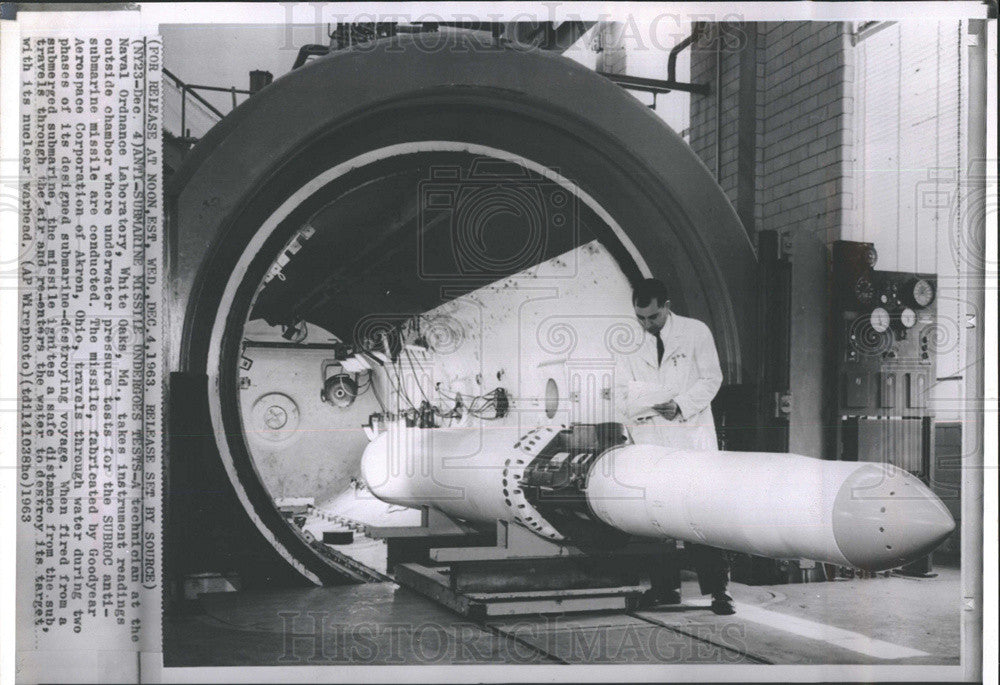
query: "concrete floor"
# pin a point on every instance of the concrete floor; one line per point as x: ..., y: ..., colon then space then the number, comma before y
x: 894, y: 620
x: 874, y: 621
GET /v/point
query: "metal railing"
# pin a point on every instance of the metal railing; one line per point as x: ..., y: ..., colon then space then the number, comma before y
x: 192, y: 90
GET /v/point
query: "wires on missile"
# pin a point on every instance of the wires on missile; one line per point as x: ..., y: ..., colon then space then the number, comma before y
x: 400, y: 362
x: 374, y: 387
x: 490, y: 406
x: 398, y: 388
x: 423, y: 374
x: 368, y: 384
x: 479, y: 404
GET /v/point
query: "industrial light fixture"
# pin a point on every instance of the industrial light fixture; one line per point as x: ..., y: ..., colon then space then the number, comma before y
x: 339, y: 390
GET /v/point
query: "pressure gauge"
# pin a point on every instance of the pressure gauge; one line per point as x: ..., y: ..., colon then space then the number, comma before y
x: 880, y: 320
x: 922, y: 293
x: 908, y: 318
x: 871, y: 255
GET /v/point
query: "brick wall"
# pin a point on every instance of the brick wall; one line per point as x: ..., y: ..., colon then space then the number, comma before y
x: 802, y: 101
x: 703, y: 109
x: 802, y: 105
x: 806, y: 103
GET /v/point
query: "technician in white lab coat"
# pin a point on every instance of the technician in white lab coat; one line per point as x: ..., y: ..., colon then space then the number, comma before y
x: 670, y: 381
x: 663, y: 392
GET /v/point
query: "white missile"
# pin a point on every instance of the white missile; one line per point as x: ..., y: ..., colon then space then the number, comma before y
x: 554, y: 479
x: 870, y: 516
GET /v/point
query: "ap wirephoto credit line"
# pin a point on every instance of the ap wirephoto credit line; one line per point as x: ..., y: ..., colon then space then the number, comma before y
x: 90, y: 435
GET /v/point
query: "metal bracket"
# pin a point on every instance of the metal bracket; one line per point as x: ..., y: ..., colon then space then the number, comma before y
x: 513, y: 541
x: 439, y: 522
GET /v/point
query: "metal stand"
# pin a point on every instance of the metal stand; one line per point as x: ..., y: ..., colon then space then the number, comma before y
x: 514, y: 573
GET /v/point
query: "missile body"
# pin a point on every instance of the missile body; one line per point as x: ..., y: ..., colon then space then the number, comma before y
x: 565, y: 484
x: 865, y: 515
x: 459, y: 471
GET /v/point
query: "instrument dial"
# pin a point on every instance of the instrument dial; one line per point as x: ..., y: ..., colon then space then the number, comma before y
x: 908, y: 318
x: 923, y: 293
x: 871, y: 255
x: 879, y: 320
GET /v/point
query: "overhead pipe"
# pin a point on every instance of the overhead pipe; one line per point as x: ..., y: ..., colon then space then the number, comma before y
x: 659, y: 86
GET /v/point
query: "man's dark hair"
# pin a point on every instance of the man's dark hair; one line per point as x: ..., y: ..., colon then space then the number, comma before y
x: 647, y: 290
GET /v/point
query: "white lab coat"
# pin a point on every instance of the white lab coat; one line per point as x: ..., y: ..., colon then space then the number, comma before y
x: 689, y: 375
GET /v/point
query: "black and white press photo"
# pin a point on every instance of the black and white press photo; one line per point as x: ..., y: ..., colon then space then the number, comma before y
x: 447, y: 341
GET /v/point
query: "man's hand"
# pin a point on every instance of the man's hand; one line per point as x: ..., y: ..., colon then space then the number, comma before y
x: 667, y: 410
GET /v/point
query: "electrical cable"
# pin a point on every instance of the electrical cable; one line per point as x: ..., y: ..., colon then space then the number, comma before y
x: 362, y: 389
x: 488, y: 400
x: 377, y: 396
x: 400, y: 390
x: 420, y: 385
x: 397, y: 389
x: 476, y: 406
x: 394, y: 389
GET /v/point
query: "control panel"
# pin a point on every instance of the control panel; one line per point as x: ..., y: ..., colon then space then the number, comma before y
x: 886, y: 332
x: 885, y: 338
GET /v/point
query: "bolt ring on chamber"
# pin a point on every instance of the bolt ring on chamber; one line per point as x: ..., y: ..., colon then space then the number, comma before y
x: 250, y: 183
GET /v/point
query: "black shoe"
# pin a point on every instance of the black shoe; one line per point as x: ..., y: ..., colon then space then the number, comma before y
x: 722, y: 605
x: 650, y: 599
x: 670, y: 597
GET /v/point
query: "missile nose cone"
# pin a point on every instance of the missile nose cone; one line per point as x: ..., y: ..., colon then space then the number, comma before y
x: 884, y: 517
x: 374, y: 468
x: 381, y: 466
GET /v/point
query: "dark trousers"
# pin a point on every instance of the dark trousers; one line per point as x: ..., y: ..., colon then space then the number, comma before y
x: 710, y: 563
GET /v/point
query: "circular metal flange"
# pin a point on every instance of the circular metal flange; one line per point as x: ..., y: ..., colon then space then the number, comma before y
x: 521, y: 510
x: 246, y: 186
x: 274, y: 417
